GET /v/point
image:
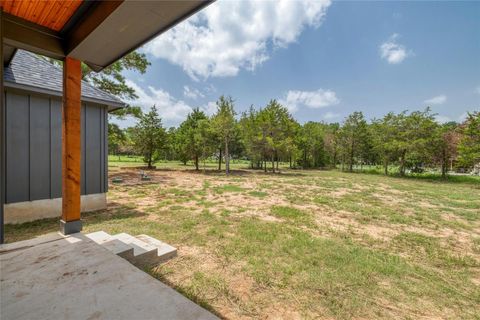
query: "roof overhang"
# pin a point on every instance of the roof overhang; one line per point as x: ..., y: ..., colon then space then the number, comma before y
x: 96, y: 32
x: 111, y: 105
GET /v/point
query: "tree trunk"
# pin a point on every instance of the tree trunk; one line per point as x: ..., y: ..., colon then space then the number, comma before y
x: 335, y: 159
x: 220, y: 159
x: 290, y: 160
x: 273, y: 163
x: 402, y: 163
x: 276, y: 155
x: 227, y: 159
x: 351, y: 157
x: 304, y: 158
x: 196, y: 162
x: 444, y: 164
x: 264, y: 162
x: 149, y: 163
x: 385, y: 165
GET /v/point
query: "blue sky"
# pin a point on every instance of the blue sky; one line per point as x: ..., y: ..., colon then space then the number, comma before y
x: 322, y: 59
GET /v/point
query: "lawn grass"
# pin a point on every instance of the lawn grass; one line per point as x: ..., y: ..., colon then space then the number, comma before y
x: 305, y: 244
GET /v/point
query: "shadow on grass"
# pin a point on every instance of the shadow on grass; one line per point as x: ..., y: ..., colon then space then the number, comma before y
x: 428, y: 177
x: 28, y: 230
x: 246, y: 172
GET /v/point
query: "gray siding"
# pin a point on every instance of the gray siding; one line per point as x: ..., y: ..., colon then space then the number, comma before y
x: 39, y: 148
x: 34, y: 148
x: 55, y: 149
x: 17, y: 148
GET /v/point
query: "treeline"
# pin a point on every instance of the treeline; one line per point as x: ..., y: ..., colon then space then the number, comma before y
x: 409, y: 141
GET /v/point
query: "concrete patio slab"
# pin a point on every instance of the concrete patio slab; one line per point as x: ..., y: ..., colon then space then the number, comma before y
x: 56, y: 277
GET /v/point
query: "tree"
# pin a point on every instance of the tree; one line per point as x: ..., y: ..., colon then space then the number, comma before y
x: 171, y: 149
x: 277, y: 131
x: 311, y: 143
x: 250, y: 137
x: 331, y: 143
x: 149, y: 136
x: 443, y: 145
x: 204, y: 139
x: 112, y: 80
x: 384, y: 133
x: 191, y: 135
x: 225, y: 125
x: 413, y: 138
x: 116, y: 138
x: 353, y: 136
x: 469, y: 146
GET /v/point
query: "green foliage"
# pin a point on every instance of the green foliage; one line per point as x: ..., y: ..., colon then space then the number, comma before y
x: 268, y: 134
x: 116, y: 137
x: 412, y: 142
x: 112, y: 80
x: 469, y: 147
x: 354, y: 138
x: 225, y: 125
x: 149, y: 136
x: 195, y: 137
x: 311, y: 144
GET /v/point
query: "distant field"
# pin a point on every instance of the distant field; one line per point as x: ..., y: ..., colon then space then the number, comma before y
x: 304, y: 244
x: 135, y: 161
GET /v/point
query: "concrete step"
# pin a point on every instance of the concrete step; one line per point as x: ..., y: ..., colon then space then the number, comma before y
x: 144, y: 254
x: 99, y: 237
x: 141, y: 250
x: 165, y: 251
x: 113, y: 245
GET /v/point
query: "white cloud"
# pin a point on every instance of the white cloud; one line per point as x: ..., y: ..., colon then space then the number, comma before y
x: 392, y: 51
x: 171, y: 110
x: 192, y: 93
x: 441, y: 99
x: 311, y: 99
x: 232, y: 35
x: 330, y: 115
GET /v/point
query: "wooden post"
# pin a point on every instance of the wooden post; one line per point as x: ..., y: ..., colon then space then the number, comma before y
x: 71, y: 146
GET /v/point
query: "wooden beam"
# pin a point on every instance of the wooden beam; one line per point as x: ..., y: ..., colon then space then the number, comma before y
x: 22, y: 34
x: 71, y: 146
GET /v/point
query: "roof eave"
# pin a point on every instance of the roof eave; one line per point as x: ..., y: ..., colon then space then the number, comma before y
x: 112, y: 105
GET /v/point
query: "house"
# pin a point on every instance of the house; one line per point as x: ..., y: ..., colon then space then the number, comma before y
x: 96, y: 33
x: 33, y: 146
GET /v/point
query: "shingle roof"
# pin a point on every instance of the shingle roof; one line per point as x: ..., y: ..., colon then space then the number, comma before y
x: 27, y: 69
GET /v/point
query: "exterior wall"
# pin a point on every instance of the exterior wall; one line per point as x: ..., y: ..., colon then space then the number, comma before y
x: 34, y: 147
x: 20, y: 212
